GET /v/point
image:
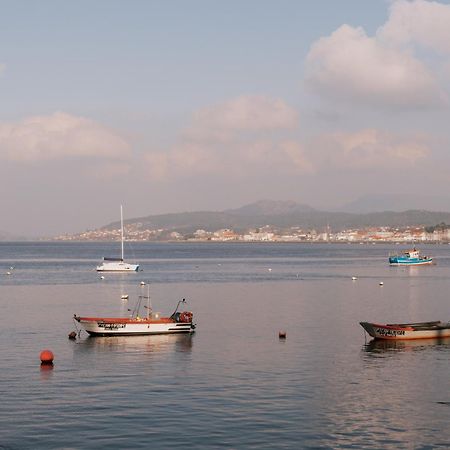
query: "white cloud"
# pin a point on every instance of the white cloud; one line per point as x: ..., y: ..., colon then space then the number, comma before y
x: 242, y: 114
x: 350, y: 66
x: 232, y: 139
x: 426, y: 23
x: 370, y: 150
x: 297, y: 156
x: 236, y: 159
x: 269, y: 156
x: 185, y: 159
x: 109, y: 170
x: 59, y: 136
x: 242, y: 155
x: 157, y: 165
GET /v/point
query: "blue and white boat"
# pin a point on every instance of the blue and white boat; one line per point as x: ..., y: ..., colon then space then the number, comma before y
x: 410, y: 258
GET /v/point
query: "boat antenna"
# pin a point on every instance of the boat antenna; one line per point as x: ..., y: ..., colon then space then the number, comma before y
x: 149, y: 304
x: 178, y: 304
x: 135, y: 311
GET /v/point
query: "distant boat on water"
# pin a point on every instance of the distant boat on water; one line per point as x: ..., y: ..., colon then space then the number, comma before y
x: 410, y: 258
x: 118, y: 264
x: 405, y: 331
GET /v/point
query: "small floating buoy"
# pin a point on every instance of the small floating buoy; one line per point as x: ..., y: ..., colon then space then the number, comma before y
x: 381, y: 283
x: 102, y: 277
x: 269, y: 269
x: 46, y: 357
x: 354, y: 278
x: 282, y: 334
x: 73, y: 335
x: 142, y: 283
x: 8, y: 273
x: 124, y: 296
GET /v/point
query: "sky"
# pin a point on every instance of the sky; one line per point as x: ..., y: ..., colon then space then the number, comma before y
x: 172, y: 106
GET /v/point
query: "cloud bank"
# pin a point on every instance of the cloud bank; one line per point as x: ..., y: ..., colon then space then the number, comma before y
x: 221, y: 147
x: 369, y: 150
x: 234, y: 137
x: 247, y: 113
x: 383, y: 70
x: 59, y: 136
x: 422, y: 23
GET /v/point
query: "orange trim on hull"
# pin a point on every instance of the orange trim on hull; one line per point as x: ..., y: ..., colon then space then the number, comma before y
x: 412, y: 338
x: 125, y: 320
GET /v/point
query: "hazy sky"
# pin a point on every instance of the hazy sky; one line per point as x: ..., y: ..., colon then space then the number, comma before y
x: 169, y: 106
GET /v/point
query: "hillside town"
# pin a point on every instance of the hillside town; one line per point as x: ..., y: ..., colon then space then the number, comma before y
x: 135, y: 232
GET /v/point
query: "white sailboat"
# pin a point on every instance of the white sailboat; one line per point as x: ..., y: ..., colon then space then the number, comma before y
x: 118, y: 264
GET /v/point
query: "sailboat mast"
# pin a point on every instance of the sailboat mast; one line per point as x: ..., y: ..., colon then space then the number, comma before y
x: 121, y: 229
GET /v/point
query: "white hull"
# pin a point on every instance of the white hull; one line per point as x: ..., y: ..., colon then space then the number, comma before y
x: 129, y: 327
x: 426, y: 330
x: 117, y: 266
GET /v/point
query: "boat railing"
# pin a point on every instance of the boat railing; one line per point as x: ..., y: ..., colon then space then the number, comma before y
x: 436, y: 323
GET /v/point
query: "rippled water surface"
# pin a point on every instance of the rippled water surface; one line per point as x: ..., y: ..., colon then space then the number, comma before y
x: 234, y: 383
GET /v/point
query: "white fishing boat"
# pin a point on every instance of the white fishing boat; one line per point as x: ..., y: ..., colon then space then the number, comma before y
x: 404, y: 331
x: 118, y: 264
x: 137, y: 324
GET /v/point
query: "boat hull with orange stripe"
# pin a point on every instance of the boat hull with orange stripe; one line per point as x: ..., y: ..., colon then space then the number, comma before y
x: 123, y: 326
x: 406, y: 331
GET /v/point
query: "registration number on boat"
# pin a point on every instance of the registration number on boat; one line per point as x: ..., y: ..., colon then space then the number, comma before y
x: 386, y: 332
x: 111, y: 326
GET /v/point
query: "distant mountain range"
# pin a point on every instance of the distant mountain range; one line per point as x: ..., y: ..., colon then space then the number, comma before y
x: 375, y: 210
x: 283, y: 214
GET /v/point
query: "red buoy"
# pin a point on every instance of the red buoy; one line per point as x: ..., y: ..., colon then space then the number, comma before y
x: 46, y: 357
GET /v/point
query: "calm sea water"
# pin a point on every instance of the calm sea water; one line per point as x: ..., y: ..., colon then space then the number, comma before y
x: 233, y: 384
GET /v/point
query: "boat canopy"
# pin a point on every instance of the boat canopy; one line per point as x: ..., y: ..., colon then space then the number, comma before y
x: 112, y: 259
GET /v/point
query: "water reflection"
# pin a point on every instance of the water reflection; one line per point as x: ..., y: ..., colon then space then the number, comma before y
x: 147, y: 344
x: 302, y: 392
x: 46, y: 371
x: 378, y: 346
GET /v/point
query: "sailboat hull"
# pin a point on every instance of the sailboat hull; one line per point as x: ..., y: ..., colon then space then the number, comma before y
x: 113, y: 266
